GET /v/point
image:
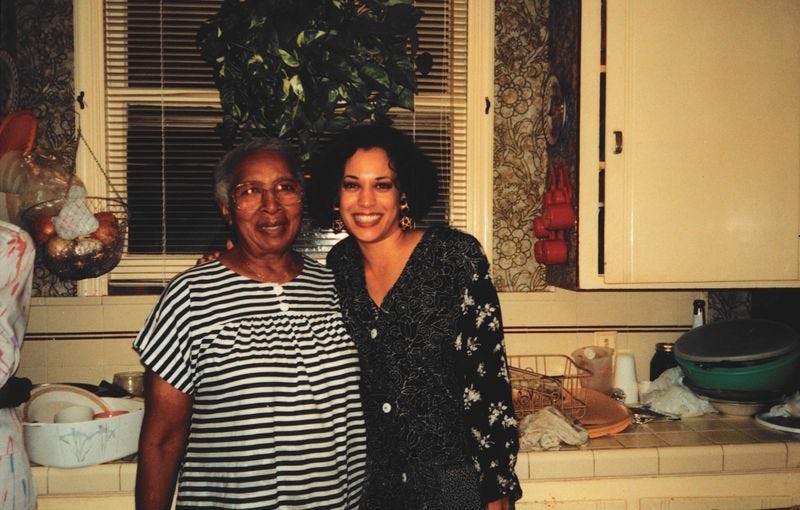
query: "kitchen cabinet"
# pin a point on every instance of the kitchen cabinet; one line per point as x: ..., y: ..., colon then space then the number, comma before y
x: 690, y: 149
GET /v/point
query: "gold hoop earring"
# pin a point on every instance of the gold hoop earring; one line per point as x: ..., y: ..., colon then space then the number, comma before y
x: 338, y: 224
x: 406, y: 223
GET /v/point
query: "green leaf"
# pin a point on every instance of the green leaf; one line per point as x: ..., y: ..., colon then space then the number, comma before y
x: 376, y: 73
x: 402, y: 72
x: 255, y: 59
x: 297, y: 87
x: 288, y: 58
x: 256, y: 22
x: 307, y: 37
x: 286, y: 87
x: 333, y: 96
x: 405, y: 99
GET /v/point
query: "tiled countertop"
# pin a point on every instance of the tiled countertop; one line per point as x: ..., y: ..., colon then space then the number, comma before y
x: 710, y: 445
x: 707, y: 444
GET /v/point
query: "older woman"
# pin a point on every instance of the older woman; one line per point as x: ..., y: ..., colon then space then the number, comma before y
x: 251, y: 385
x: 425, y: 316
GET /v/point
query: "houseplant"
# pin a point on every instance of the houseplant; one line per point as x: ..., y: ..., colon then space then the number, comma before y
x: 305, y: 69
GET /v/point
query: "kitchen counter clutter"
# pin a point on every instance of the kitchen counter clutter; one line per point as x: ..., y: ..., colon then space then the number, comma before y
x: 712, y: 461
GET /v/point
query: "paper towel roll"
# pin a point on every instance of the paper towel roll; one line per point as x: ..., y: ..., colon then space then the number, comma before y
x: 625, y: 377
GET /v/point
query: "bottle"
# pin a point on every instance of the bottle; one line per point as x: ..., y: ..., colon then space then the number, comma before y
x: 698, y: 313
x: 663, y: 359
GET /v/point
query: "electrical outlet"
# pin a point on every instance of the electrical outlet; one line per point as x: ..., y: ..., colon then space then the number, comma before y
x: 605, y: 339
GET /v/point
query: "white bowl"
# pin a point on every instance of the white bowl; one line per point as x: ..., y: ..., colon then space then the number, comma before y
x: 72, y: 445
x: 74, y: 414
x: 738, y: 408
x: 47, y: 400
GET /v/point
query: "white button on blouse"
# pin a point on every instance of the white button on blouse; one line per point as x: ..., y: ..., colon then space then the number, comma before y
x: 387, y: 407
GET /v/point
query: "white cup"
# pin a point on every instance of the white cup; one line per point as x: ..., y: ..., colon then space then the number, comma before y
x: 74, y: 414
x: 625, y: 377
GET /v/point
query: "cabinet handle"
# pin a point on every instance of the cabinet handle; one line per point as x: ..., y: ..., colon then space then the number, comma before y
x: 617, y: 142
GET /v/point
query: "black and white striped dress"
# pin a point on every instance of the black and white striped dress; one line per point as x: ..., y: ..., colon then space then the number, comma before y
x: 276, y: 414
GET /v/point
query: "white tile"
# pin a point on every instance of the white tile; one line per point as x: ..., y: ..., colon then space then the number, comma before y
x: 626, y: 462
x: 754, y: 457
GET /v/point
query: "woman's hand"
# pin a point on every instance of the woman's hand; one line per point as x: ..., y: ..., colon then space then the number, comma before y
x: 214, y: 255
x: 499, y: 504
x: 208, y: 257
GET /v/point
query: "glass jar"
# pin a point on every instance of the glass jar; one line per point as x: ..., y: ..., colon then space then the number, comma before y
x: 663, y: 359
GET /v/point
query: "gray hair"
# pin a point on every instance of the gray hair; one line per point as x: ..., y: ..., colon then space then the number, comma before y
x: 223, y: 172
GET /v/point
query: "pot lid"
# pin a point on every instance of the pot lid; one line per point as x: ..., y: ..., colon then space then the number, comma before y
x: 737, y: 340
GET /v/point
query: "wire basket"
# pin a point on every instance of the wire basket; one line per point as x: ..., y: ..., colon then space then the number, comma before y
x: 538, y: 381
x: 86, y: 256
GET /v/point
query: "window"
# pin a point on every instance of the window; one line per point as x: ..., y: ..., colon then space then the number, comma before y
x: 155, y: 129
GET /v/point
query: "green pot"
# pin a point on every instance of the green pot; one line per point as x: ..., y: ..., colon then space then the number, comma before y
x: 769, y: 375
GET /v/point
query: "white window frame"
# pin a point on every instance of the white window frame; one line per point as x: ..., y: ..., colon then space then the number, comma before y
x: 89, y: 74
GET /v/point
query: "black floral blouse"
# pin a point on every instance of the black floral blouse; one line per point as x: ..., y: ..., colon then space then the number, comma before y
x: 441, y: 431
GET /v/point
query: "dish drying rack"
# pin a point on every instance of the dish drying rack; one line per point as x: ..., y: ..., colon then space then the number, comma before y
x: 538, y: 381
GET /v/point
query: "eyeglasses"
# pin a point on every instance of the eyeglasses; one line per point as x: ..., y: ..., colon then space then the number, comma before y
x: 248, y: 196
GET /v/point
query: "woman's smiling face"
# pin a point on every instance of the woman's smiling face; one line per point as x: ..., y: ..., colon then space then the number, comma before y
x: 266, y: 226
x: 369, y: 200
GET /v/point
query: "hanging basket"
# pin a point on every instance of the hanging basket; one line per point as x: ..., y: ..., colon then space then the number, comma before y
x: 88, y: 255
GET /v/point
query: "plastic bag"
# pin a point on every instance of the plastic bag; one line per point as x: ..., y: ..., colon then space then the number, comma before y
x: 75, y: 219
x: 790, y: 407
x: 667, y: 394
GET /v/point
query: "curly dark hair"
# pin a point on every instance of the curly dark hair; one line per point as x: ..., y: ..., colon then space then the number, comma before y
x: 416, y: 173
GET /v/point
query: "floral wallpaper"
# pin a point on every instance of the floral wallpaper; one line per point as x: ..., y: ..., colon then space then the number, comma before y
x: 43, y: 49
x: 520, y: 148
x: 534, y: 39
x: 728, y: 304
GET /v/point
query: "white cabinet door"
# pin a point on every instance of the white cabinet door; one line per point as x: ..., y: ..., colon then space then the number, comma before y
x: 706, y: 99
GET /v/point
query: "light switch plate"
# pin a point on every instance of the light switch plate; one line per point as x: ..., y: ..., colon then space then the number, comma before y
x: 606, y: 339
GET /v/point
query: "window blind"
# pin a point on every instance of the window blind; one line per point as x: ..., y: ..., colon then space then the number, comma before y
x: 162, y: 109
